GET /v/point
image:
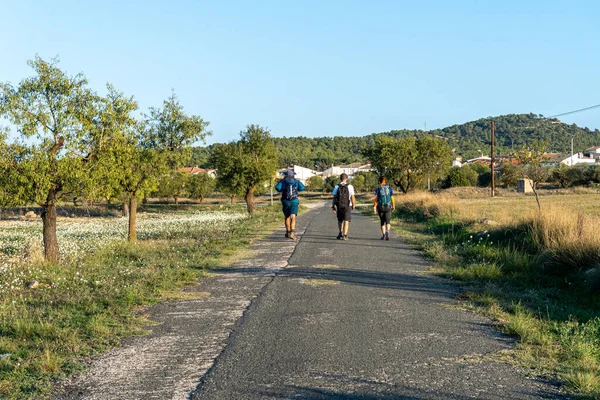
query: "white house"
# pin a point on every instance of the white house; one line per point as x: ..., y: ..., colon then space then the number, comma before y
x: 302, y: 173
x: 593, y: 152
x: 348, y: 169
x: 577, y: 158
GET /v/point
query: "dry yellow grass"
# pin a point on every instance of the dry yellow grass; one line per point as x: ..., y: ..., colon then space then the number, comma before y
x: 565, y: 229
x: 560, y: 209
x: 558, y: 228
x: 563, y: 341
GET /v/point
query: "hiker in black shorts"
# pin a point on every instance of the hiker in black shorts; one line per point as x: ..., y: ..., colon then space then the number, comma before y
x: 343, y: 204
x: 383, y: 206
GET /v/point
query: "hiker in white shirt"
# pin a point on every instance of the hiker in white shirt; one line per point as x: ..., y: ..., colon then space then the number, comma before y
x: 342, y: 205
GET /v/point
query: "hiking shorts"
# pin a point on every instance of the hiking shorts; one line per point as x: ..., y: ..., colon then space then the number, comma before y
x: 385, y: 215
x: 290, y: 207
x: 344, y: 214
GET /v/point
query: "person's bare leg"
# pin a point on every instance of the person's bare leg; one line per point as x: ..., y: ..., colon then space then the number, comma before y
x: 383, y: 229
x: 340, y: 228
x: 346, y: 225
x: 292, y: 226
x: 288, y: 224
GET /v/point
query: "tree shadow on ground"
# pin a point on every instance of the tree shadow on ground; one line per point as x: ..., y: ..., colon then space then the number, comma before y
x: 405, y: 282
x: 357, y: 388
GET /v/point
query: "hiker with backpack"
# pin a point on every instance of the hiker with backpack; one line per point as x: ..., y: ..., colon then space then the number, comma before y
x: 383, y: 206
x: 343, y: 204
x: 289, y: 188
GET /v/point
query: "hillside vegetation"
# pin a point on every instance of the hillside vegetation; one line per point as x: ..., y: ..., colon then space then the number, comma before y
x: 468, y: 140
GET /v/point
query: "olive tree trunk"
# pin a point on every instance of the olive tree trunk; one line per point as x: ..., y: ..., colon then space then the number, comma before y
x: 132, y: 231
x: 51, y: 252
x: 250, y: 203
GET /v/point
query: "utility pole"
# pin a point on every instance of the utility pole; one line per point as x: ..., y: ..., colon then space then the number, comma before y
x: 428, y: 177
x: 572, y: 150
x: 492, y: 161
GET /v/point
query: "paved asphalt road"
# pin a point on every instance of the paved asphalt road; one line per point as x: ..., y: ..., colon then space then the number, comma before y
x: 361, y: 319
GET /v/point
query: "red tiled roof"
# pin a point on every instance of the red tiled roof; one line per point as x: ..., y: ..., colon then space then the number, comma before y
x: 193, y: 170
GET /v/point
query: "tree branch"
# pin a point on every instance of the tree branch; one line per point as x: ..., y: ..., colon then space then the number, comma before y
x: 58, y: 145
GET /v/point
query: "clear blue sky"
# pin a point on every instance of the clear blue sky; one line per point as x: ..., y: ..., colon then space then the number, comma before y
x: 322, y: 68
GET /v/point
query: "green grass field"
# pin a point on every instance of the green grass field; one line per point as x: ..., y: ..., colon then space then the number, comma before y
x: 88, y: 302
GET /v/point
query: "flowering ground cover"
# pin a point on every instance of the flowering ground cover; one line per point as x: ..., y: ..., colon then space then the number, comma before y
x: 84, y: 304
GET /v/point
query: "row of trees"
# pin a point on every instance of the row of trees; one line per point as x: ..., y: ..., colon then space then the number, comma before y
x: 508, y: 174
x: 178, y: 184
x: 71, y: 141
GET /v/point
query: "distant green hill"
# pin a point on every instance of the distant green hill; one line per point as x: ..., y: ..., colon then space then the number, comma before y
x: 468, y: 140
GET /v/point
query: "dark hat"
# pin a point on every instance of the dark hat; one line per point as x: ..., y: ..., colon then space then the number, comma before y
x: 290, y: 172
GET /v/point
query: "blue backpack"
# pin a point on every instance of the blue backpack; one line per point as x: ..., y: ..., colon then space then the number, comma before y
x: 290, y: 189
x: 384, y: 198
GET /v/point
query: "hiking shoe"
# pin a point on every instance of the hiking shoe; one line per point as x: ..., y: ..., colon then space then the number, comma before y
x: 340, y: 236
x: 382, y: 238
x: 287, y: 234
x: 387, y: 236
x: 345, y: 237
x: 292, y: 236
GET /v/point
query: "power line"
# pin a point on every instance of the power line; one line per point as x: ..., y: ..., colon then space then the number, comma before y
x: 574, y: 111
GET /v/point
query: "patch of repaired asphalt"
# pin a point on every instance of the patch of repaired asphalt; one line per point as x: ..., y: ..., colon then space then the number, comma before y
x: 169, y: 363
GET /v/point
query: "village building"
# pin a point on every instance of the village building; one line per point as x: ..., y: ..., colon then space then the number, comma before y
x: 302, y: 173
x: 569, y: 160
x: 348, y: 169
x: 196, y: 170
x: 485, y: 160
x: 593, y: 152
x: 457, y: 162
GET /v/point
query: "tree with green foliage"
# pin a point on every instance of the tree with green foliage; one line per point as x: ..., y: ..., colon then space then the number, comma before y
x: 592, y: 174
x: 371, y: 180
x: 245, y: 165
x: 64, y: 128
x: 408, y: 161
x: 315, y: 183
x: 159, y: 144
x: 484, y: 179
x: 571, y: 176
x: 201, y: 185
x: 173, y: 184
x: 330, y: 183
x: 461, y: 176
x: 358, y: 182
x: 509, y: 174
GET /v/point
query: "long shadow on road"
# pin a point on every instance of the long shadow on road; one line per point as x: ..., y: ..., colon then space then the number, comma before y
x: 386, y: 280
